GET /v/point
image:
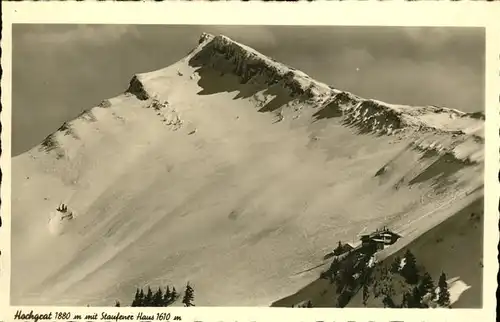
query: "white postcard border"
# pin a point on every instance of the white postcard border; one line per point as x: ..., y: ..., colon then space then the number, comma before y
x: 473, y: 14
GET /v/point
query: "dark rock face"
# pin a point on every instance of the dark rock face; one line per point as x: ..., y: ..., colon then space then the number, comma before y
x: 136, y: 88
x: 376, y: 117
x: 477, y: 115
x: 222, y: 53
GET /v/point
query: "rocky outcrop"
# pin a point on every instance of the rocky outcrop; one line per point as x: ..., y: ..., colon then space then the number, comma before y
x: 136, y: 88
x: 370, y: 116
x: 221, y: 53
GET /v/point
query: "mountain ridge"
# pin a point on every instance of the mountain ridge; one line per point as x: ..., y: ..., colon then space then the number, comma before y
x: 249, y: 63
x: 369, y: 115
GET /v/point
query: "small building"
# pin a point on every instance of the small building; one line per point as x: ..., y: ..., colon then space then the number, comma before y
x: 379, y: 239
x: 344, y: 248
x: 365, y: 240
x: 351, y: 246
x: 386, y: 237
x: 340, y: 251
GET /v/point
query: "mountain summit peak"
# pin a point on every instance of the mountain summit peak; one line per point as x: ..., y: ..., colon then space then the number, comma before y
x: 225, y: 56
x: 248, y: 63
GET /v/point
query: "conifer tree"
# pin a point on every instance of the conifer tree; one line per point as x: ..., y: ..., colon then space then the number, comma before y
x: 117, y: 304
x: 396, y: 264
x: 416, y: 297
x: 158, y: 298
x: 366, y: 294
x: 338, y: 250
x: 444, y: 294
x: 167, y: 296
x: 136, y: 300
x: 174, y: 295
x: 407, y: 300
x: 148, y: 300
x: 409, y: 270
x: 188, y: 296
x: 427, y: 285
x: 309, y: 304
x: 140, y: 302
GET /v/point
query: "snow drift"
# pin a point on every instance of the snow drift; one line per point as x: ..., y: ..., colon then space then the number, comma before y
x: 231, y: 171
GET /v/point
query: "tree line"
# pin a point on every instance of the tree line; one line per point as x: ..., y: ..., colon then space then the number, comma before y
x: 420, y: 291
x: 401, y: 283
x: 161, y: 298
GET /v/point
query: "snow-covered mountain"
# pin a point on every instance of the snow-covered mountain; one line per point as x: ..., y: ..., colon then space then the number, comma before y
x: 234, y: 172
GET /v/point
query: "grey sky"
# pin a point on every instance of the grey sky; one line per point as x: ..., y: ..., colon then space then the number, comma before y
x: 59, y: 70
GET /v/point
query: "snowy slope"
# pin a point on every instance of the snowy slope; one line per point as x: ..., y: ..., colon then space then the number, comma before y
x: 232, y: 171
x: 457, y: 238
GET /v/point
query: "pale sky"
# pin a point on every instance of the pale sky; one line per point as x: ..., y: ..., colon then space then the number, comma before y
x: 60, y: 70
